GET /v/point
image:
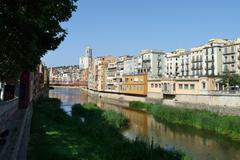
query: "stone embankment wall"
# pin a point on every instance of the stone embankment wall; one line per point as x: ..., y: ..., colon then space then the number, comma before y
x: 222, y: 104
x: 124, y: 98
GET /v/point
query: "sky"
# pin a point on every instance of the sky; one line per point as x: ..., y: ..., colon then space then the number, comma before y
x: 120, y: 27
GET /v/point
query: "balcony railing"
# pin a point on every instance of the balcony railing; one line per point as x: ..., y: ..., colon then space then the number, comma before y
x: 229, y: 71
x: 209, y: 68
x: 209, y: 60
x: 228, y: 53
x: 197, y: 68
x: 196, y: 60
x: 228, y: 62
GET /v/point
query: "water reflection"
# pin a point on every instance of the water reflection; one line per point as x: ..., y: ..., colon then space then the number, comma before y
x: 201, y: 145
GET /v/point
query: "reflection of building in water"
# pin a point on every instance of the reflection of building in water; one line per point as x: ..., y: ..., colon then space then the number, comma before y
x: 138, y: 122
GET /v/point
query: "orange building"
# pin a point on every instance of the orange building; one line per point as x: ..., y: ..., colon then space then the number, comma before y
x: 134, y: 85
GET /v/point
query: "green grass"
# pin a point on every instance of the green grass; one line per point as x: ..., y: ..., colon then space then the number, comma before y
x: 118, y: 120
x: 56, y: 136
x: 202, y: 119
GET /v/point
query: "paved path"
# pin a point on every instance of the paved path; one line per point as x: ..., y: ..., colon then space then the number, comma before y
x: 19, y: 126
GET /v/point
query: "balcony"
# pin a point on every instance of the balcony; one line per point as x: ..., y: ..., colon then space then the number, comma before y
x: 146, y: 59
x: 228, y: 62
x: 197, y: 68
x: 209, y: 68
x: 228, y: 53
x: 209, y: 60
x: 229, y: 71
x: 196, y: 60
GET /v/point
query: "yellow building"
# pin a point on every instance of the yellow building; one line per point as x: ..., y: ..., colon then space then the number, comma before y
x: 134, y: 85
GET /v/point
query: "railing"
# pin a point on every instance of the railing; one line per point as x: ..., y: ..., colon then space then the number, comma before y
x: 228, y: 62
x: 228, y: 53
x: 223, y: 92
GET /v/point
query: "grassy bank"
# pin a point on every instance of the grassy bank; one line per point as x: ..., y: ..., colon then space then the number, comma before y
x: 90, y: 134
x: 227, y: 125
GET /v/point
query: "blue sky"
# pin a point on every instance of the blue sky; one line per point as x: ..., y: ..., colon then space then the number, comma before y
x: 120, y: 27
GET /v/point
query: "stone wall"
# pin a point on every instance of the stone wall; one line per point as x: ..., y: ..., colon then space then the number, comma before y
x: 211, y: 100
x: 121, y: 97
x: 222, y: 104
x: 225, y: 104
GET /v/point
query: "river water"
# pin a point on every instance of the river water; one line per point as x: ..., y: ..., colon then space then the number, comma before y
x: 198, y: 144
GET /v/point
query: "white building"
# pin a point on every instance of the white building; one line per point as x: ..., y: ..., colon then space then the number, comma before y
x: 231, y: 58
x: 177, y: 63
x: 129, y: 66
x: 86, y: 60
x: 151, y: 62
x: 111, y: 84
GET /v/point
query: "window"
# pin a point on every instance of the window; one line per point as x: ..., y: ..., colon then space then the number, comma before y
x: 152, y: 85
x: 192, y: 86
x: 232, y: 49
x: 159, y: 85
x: 180, y: 86
x: 156, y: 85
x: 203, y: 85
x: 226, y: 50
x: 185, y: 86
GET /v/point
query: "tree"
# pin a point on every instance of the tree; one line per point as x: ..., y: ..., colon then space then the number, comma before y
x: 28, y: 29
x: 231, y: 79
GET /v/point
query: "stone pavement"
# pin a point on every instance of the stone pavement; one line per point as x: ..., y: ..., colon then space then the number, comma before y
x: 18, y: 125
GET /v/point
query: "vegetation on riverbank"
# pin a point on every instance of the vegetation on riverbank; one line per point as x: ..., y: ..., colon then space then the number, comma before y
x: 117, y: 120
x: 202, y: 119
x: 89, y: 134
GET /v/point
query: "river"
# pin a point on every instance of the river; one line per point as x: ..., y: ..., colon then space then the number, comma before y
x: 198, y: 144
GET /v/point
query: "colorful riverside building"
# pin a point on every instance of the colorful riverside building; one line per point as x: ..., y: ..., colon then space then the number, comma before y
x: 97, y: 75
x: 134, y: 85
x: 195, y: 71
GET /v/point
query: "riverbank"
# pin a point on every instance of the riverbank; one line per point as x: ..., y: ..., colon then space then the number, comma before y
x: 201, y: 119
x: 88, y: 134
x: 220, y: 109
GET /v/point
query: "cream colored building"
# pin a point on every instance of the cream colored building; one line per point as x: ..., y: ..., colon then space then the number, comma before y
x: 206, y: 60
x: 192, y: 86
x: 111, y: 83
